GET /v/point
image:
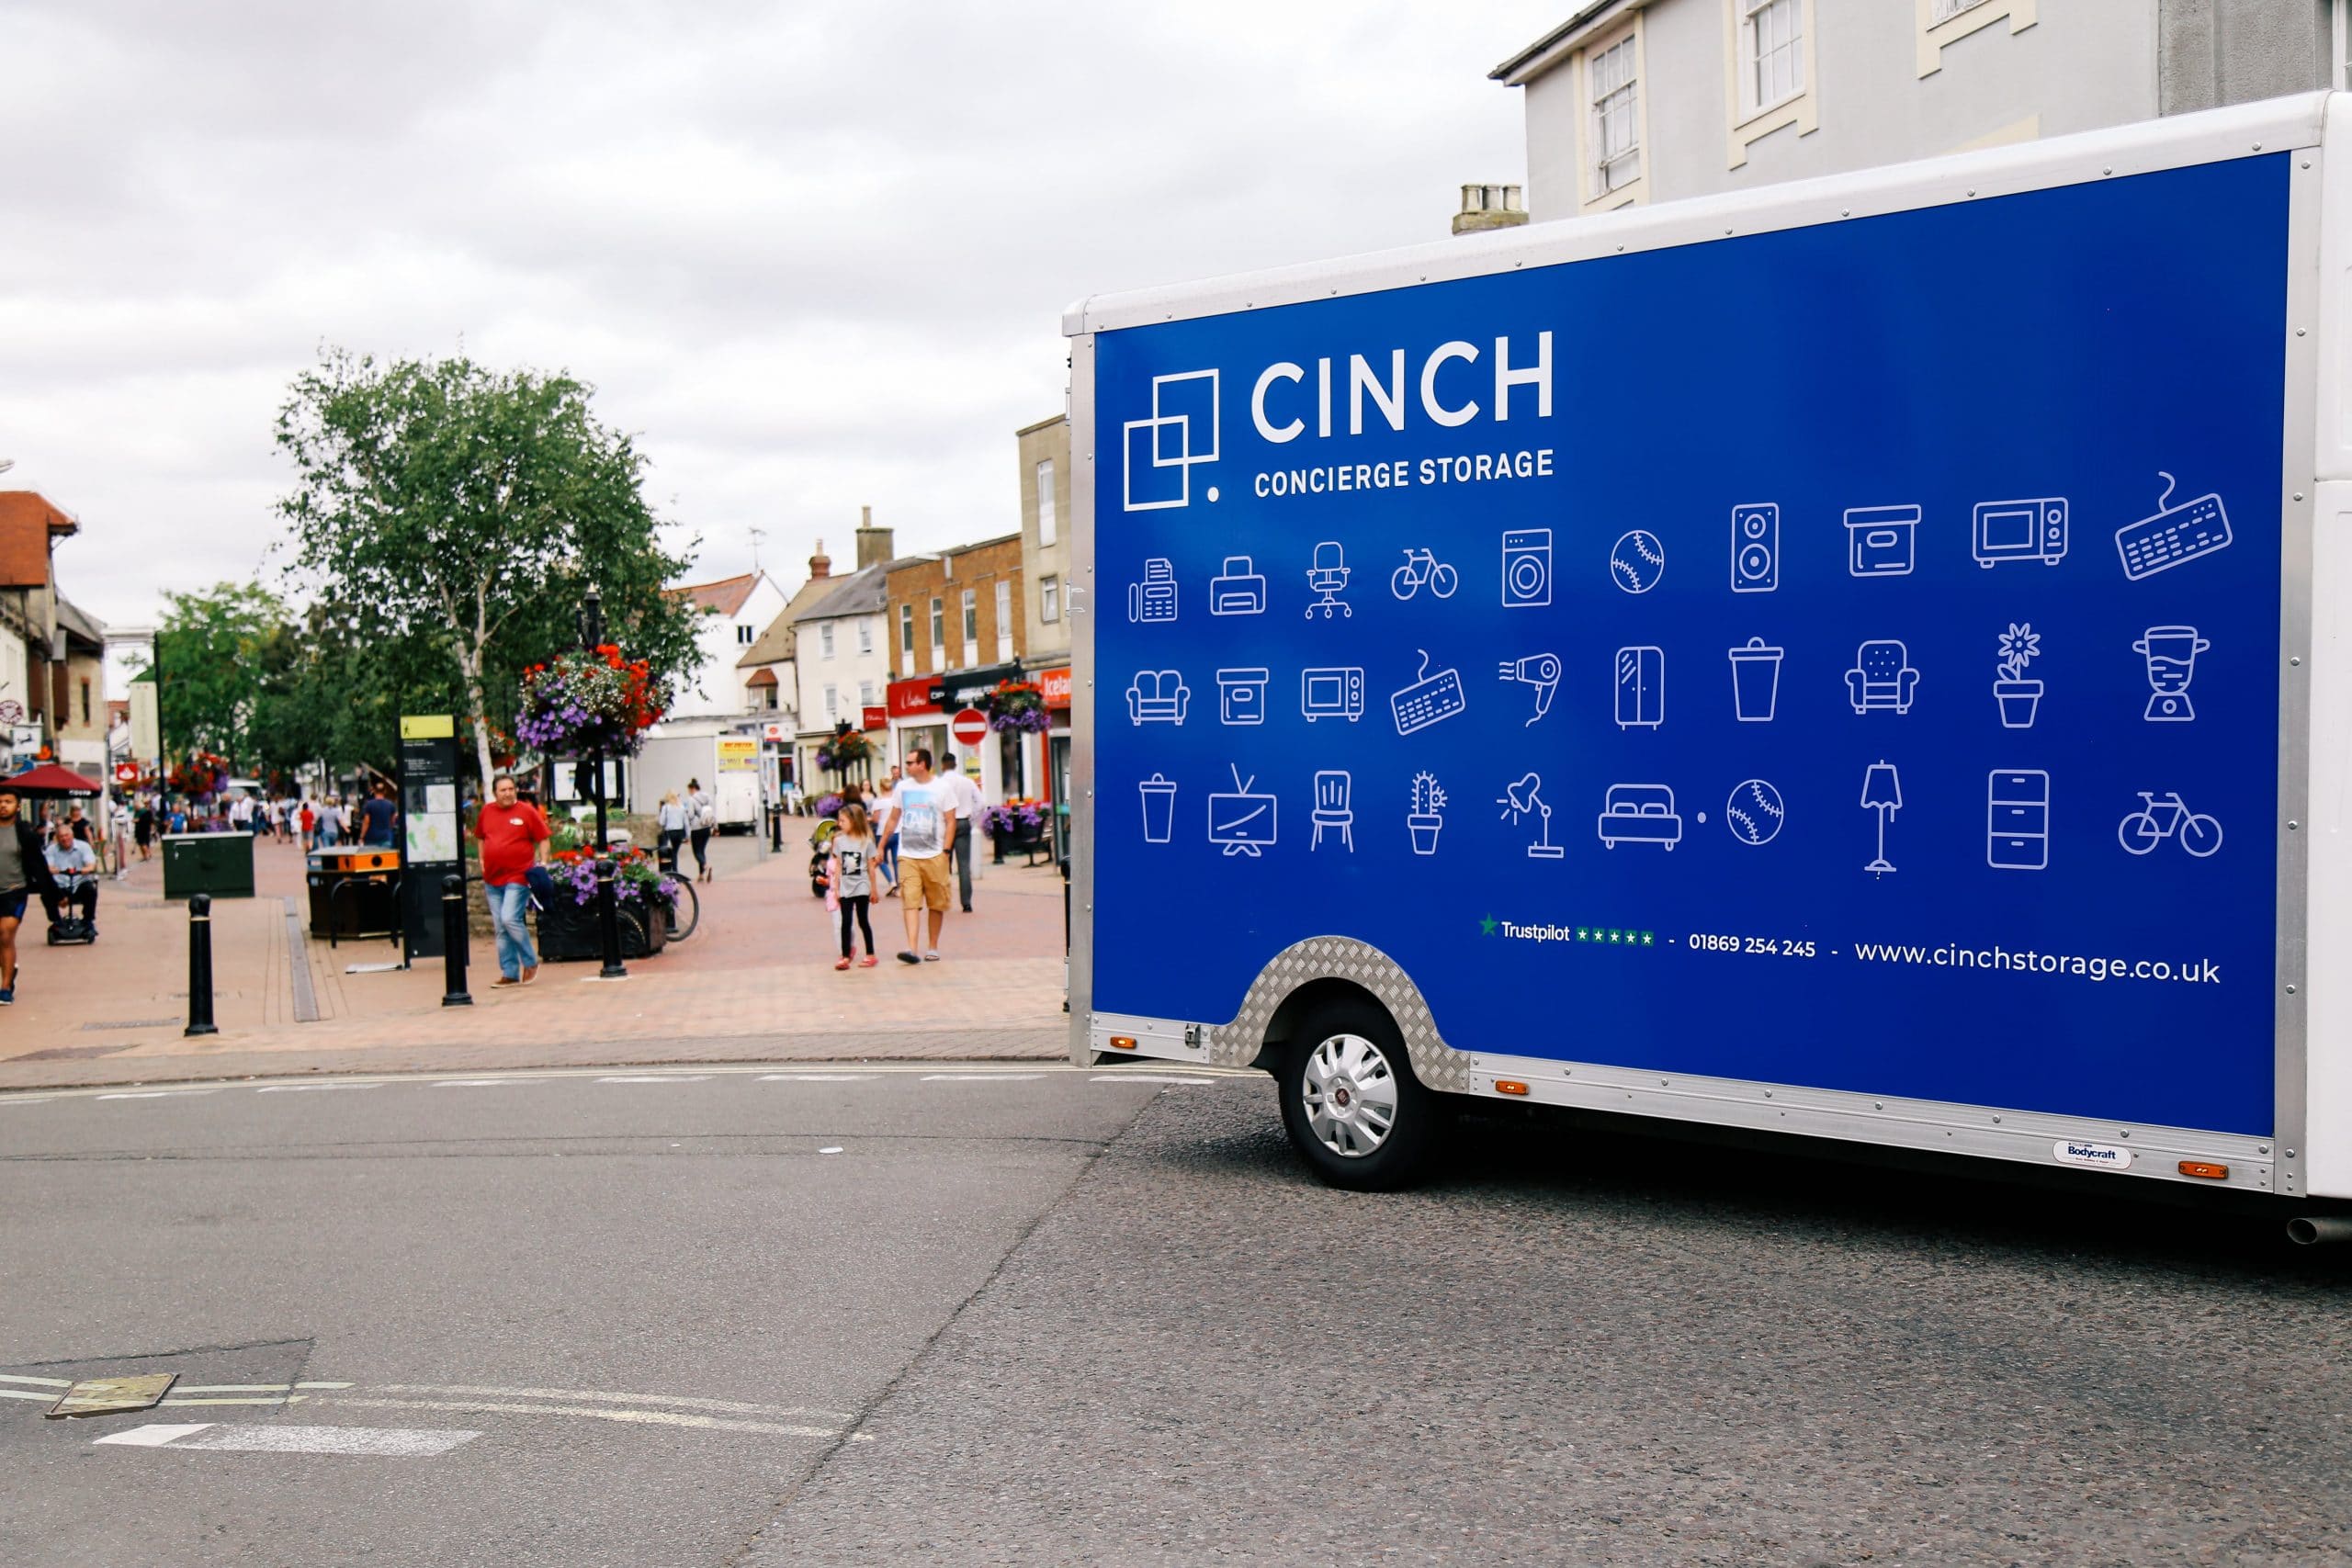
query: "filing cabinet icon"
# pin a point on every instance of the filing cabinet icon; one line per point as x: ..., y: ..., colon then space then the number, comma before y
x: 2017, y: 824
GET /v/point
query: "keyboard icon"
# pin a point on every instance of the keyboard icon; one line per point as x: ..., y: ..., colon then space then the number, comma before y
x: 2174, y: 535
x: 1430, y: 699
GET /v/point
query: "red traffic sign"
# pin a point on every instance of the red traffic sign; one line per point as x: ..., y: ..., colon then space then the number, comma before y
x: 969, y: 728
x: 126, y: 773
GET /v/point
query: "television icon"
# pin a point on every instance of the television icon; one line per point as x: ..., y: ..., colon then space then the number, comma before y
x: 1239, y: 590
x: 1242, y: 820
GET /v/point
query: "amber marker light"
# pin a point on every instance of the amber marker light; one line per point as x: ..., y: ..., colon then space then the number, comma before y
x: 1123, y: 1042
x: 1510, y: 1086
x: 2205, y: 1169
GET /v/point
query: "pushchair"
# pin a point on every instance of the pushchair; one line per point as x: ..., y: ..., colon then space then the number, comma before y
x: 73, y: 911
x: 821, y: 850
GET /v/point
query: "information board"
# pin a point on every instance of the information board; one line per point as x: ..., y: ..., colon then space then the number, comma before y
x: 431, y: 825
x: 1844, y: 657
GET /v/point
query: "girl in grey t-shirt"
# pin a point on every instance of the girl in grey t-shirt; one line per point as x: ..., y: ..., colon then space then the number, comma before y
x: 853, y: 873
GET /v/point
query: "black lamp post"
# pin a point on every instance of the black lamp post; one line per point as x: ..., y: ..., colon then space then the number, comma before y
x: 608, y: 925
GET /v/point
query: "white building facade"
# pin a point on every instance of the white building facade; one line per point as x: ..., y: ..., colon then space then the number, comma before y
x: 736, y: 611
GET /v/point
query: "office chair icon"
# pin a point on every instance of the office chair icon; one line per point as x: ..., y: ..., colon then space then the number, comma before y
x: 1332, y: 811
x: 1329, y: 577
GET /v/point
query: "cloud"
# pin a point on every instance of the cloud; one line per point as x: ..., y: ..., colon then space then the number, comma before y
x: 813, y: 257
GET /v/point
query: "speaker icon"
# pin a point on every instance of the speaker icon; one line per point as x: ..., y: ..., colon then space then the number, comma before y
x: 1755, y: 548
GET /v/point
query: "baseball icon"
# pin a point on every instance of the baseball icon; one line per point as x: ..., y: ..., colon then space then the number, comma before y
x: 1754, y: 813
x: 1637, y: 562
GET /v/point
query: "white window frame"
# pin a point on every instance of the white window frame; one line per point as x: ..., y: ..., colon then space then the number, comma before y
x: 824, y: 640
x: 907, y: 633
x: 938, y: 634
x: 1048, y: 519
x: 1752, y: 54
x: 1750, y: 118
x: 1598, y: 191
x: 866, y: 633
x: 971, y: 608
x: 744, y: 636
x: 1946, y: 22
x: 1049, y: 599
x: 864, y: 697
x: 833, y: 703
x: 1003, y: 619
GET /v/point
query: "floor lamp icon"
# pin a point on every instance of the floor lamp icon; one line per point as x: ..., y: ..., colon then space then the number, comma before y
x: 1882, y: 792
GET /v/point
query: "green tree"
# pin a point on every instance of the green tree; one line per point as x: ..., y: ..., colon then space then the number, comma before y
x: 457, y: 515
x: 207, y: 649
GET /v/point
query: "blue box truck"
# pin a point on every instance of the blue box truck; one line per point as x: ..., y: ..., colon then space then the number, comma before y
x: 1861, y: 658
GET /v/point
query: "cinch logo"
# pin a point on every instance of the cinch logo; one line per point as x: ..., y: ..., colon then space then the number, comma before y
x: 1161, y: 450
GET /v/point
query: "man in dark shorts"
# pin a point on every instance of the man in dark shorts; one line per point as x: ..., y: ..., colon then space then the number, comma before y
x: 142, y: 828
x: 23, y: 873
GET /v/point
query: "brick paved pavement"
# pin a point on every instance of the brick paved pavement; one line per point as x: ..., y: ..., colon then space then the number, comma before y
x: 756, y: 983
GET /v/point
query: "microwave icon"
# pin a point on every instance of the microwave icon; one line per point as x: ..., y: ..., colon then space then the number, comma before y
x: 2020, y: 530
x: 1336, y: 692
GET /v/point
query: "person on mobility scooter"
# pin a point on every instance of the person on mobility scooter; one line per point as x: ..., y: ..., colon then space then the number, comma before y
x: 74, y: 881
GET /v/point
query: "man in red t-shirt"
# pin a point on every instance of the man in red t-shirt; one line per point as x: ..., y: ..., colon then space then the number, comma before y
x: 513, y: 838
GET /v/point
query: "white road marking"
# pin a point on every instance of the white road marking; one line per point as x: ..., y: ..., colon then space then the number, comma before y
x: 27, y: 1394
x: 734, y: 1407
x: 835, y: 1150
x: 307, y: 1088
x: 647, y: 1418
x: 27, y: 1099
x: 274, y: 1400
x: 693, y: 1078
x: 153, y: 1436
x: 815, y: 1078
x: 1146, y: 1077
x: 473, y: 1083
x: 154, y: 1093
x: 381, y: 1442
x: 39, y: 1383
x: 980, y: 1078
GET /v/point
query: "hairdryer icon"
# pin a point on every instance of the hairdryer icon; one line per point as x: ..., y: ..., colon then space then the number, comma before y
x: 1541, y: 671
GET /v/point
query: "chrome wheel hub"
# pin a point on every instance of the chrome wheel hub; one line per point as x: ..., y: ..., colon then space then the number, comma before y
x: 1350, y: 1093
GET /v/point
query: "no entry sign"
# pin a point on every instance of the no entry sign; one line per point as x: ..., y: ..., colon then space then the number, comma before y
x: 969, y: 728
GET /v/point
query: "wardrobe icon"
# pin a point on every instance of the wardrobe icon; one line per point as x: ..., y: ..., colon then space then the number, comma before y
x: 1641, y: 687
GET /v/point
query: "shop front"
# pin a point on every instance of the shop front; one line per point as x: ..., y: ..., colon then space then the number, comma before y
x: 1054, y: 685
x: 1004, y: 763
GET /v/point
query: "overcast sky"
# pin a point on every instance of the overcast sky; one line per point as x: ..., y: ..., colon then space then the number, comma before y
x: 813, y: 255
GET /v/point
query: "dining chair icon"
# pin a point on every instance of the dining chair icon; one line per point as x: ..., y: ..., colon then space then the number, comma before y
x: 1333, y: 810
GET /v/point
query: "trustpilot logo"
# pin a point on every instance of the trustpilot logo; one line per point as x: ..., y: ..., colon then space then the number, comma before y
x: 1161, y: 451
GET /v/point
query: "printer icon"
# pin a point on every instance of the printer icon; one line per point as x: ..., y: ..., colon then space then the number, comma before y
x: 1239, y: 590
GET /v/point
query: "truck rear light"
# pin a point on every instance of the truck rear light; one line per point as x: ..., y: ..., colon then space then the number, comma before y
x: 1123, y: 1042
x: 2205, y: 1169
x: 1510, y: 1086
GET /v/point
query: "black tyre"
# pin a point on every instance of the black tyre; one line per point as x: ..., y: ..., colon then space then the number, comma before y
x: 1351, y: 1103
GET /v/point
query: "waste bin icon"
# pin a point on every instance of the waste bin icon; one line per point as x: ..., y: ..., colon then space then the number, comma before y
x: 1756, y: 681
x: 1158, y: 809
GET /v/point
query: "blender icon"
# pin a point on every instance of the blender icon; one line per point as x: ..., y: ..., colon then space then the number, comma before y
x: 2171, y: 653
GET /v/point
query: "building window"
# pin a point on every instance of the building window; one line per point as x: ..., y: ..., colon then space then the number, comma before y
x: 833, y: 703
x: 971, y: 627
x: 906, y: 636
x: 865, y: 696
x: 1772, y: 53
x: 938, y: 637
x: 824, y: 640
x: 1616, y: 118
x: 86, y: 702
x: 743, y: 635
x: 1048, y: 524
x: 1003, y: 620
x: 1049, y: 599
x: 864, y: 635
x: 1941, y: 11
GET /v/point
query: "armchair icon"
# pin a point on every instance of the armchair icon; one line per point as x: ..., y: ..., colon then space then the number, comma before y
x: 1157, y: 696
x: 1882, y: 677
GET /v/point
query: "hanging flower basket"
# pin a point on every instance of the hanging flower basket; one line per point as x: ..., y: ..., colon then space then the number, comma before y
x: 845, y: 751
x: 1017, y: 706
x: 578, y: 703
x: 199, y: 775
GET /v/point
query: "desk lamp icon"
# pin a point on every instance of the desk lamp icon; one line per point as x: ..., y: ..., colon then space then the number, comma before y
x: 1524, y: 799
x: 1882, y: 792
x: 1541, y: 671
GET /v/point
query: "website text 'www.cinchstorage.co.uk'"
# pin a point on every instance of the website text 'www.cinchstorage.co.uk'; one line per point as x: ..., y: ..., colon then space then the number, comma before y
x: 2190, y: 971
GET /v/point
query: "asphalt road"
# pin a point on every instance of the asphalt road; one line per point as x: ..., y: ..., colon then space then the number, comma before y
x: 1025, y: 1315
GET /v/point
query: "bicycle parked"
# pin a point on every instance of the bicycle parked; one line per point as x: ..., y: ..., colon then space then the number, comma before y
x: 685, y: 912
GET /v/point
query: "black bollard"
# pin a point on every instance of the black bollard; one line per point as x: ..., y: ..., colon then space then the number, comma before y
x: 200, y: 965
x: 453, y: 943
x: 609, y: 918
x: 775, y: 829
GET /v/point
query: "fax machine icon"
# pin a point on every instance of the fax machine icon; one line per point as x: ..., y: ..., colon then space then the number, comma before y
x: 1239, y: 590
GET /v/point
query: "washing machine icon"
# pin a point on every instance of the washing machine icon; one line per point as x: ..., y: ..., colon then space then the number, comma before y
x: 1527, y: 567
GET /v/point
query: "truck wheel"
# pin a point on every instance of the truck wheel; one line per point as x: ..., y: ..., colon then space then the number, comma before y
x: 1351, y: 1102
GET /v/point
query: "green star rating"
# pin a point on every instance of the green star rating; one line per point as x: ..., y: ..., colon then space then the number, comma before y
x: 1487, y: 925
x: 1616, y: 936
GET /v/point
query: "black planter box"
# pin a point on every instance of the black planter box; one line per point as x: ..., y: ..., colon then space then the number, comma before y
x: 568, y: 934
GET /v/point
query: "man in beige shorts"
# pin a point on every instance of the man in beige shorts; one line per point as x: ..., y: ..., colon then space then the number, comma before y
x: 924, y: 816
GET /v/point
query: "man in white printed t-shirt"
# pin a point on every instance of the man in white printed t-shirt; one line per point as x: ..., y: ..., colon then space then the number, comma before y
x: 923, y: 817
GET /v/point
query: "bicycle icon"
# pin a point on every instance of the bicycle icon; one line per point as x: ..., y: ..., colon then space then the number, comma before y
x: 2161, y: 819
x: 1422, y: 567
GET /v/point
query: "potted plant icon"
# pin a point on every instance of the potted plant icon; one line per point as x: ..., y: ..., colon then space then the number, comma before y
x: 2019, y: 698
x: 1429, y: 800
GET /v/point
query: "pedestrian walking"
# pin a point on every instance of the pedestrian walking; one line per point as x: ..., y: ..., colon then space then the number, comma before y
x: 513, y: 840
x: 331, y: 822
x: 119, y: 835
x: 307, y: 816
x: 142, y: 829
x: 701, y: 815
x: 669, y: 819
x: 380, y: 818
x: 851, y: 872
x: 886, y: 798
x: 23, y: 873
x: 925, y: 824
x: 965, y: 796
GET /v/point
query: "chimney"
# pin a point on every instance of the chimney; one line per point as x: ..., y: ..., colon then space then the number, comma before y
x: 1489, y: 207
x: 873, y: 544
x: 820, y: 564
